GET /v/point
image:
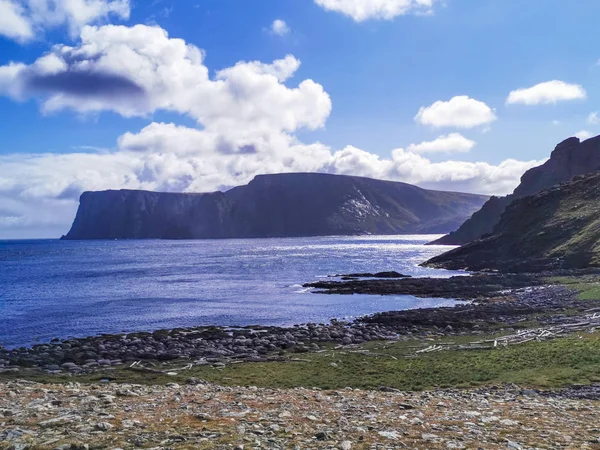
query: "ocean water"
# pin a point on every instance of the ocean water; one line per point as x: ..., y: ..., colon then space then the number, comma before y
x: 51, y: 288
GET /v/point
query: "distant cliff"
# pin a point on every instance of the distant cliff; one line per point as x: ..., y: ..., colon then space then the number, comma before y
x: 569, y: 159
x: 295, y: 204
x: 558, y: 228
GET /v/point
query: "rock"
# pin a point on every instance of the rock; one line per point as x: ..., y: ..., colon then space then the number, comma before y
x: 346, y: 445
x: 103, y: 426
x: 388, y: 434
x: 57, y: 422
x: 321, y: 435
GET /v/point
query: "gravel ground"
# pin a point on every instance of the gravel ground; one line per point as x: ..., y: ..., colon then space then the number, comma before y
x: 199, y: 415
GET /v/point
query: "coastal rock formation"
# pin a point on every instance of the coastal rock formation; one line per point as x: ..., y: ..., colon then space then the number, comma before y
x: 556, y: 229
x: 295, y: 204
x: 569, y: 159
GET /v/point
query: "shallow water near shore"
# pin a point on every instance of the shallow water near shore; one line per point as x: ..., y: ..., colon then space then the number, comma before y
x: 51, y: 288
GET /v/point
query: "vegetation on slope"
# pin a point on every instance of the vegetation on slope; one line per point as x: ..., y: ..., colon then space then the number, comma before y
x: 556, y: 229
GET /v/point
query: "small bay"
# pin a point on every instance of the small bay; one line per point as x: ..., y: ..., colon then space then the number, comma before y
x: 52, y: 288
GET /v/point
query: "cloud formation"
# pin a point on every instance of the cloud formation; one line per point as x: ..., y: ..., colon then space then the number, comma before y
x: 21, y: 20
x: 593, y: 118
x: 279, y: 27
x: 547, y: 93
x: 41, y: 191
x: 459, y: 112
x: 247, y: 114
x: 361, y: 10
x: 135, y: 71
x: 583, y: 135
x: 453, y: 142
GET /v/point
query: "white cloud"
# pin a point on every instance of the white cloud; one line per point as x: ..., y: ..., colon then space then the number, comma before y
x: 583, y: 135
x: 13, y: 24
x: 459, y: 112
x: 22, y: 20
x: 545, y: 93
x: 279, y: 27
x: 41, y: 191
x: 247, y: 118
x: 138, y: 70
x: 593, y: 118
x: 361, y: 10
x: 453, y: 142
x: 478, y: 177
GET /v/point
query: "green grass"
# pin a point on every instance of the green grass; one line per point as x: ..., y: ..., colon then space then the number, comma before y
x: 560, y: 362
x: 588, y: 286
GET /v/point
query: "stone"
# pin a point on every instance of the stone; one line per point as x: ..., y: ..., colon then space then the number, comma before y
x: 103, y: 426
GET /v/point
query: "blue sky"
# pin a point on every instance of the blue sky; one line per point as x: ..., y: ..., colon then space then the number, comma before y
x: 373, y: 64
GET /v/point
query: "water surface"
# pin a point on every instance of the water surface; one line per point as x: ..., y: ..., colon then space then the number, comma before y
x: 51, y: 288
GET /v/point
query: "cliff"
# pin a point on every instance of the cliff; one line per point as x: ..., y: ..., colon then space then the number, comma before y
x: 556, y: 229
x: 296, y: 204
x: 569, y: 159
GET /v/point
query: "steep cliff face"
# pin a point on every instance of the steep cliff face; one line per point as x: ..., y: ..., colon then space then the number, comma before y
x: 556, y: 229
x: 569, y: 159
x: 297, y: 204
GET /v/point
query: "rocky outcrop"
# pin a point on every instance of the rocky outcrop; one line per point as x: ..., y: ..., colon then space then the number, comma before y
x: 569, y: 159
x: 556, y: 229
x: 300, y: 204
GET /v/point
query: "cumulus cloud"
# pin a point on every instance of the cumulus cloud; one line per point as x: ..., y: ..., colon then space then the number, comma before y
x: 23, y: 19
x: 583, y: 135
x: 453, y: 142
x: 459, y: 112
x: 247, y: 117
x: 546, y: 93
x: 593, y: 118
x: 13, y: 24
x: 279, y: 27
x: 361, y: 10
x: 403, y: 165
x: 41, y: 191
x: 135, y: 71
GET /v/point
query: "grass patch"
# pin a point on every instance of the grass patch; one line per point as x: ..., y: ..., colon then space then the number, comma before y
x: 588, y: 286
x: 554, y: 363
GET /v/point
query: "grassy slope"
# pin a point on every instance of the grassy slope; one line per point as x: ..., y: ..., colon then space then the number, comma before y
x: 560, y: 362
x: 588, y: 286
x: 558, y: 228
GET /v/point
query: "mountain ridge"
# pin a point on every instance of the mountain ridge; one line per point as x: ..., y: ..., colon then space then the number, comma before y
x: 570, y: 158
x: 558, y: 228
x: 277, y: 205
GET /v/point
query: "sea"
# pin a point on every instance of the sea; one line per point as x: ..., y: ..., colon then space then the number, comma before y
x: 60, y: 289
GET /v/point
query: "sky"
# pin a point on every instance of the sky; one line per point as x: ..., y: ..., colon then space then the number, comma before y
x: 202, y: 95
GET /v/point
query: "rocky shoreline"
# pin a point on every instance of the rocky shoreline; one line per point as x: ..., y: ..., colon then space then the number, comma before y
x: 494, y: 307
x: 204, y: 416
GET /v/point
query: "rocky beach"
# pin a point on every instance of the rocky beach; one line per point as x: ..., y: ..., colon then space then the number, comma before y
x: 492, y: 303
x: 198, y: 415
x: 194, y: 387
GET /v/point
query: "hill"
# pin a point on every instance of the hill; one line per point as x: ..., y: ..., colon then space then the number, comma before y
x: 556, y: 229
x: 569, y: 159
x: 280, y: 205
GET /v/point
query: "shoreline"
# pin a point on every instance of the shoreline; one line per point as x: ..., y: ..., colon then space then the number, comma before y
x: 497, y: 303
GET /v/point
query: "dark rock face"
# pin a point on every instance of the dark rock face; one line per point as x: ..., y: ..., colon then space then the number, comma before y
x: 301, y: 204
x: 569, y: 159
x: 556, y: 229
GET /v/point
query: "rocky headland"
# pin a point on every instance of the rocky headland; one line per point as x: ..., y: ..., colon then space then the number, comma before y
x: 280, y: 205
x: 559, y: 228
x: 569, y: 159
